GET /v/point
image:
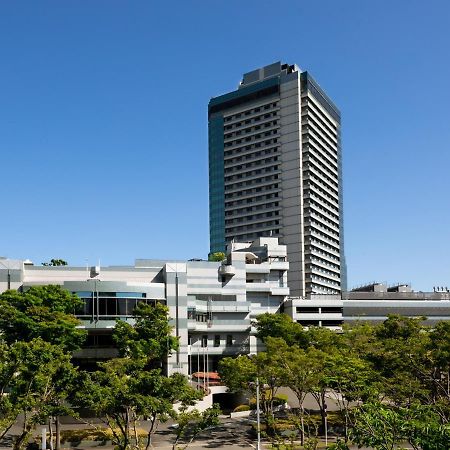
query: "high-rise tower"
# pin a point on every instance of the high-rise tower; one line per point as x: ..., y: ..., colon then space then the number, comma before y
x: 275, y: 170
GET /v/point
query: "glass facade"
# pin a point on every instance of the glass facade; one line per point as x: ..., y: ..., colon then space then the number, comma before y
x: 216, y: 185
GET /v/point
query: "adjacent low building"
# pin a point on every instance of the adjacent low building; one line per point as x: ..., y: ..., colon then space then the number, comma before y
x: 375, y: 301
x: 211, y: 304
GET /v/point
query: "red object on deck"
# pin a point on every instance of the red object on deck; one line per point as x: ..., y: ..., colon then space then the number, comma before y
x: 209, y: 375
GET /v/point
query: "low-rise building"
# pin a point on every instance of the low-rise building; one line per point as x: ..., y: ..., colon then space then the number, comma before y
x: 375, y: 301
x: 211, y: 304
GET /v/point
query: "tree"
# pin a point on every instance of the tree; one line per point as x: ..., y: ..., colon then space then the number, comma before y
x: 240, y: 374
x: 383, y: 427
x: 297, y: 375
x: 217, y: 256
x: 38, y: 378
x: 55, y: 263
x: 132, y: 387
x: 280, y: 326
x: 44, y: 312
x: 192, y: 422
x: 123, y: 392
x: 150, y: 337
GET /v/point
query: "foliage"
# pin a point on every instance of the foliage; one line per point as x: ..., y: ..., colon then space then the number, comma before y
x: 132, y: 387
x: 191, y: 422
x: 280, y: 326
x: 44, y: 312
x: 124, y: 391
x: 55, y: 263
x: 241, y: 408
x: 150, y: 337
x: 217, y: 256
x: 38, y: 378
x: 392, y: 378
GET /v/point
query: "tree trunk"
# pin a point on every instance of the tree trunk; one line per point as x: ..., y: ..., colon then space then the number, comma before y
x: 302, y: 431
x: 58, y: 433
x: 22, y: 440
x: 50, y: 430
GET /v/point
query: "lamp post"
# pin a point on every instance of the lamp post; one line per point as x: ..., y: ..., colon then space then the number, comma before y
x: 258, y: 421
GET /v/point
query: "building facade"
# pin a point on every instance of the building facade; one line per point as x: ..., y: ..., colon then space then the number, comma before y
x: 375, y: 301
x: 211, y: 304
x: 275, y: 170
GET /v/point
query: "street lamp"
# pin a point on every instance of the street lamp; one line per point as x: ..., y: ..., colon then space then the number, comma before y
x: 258, y: 422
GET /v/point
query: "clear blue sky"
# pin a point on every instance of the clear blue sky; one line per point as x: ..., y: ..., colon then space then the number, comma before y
x: 103, y: 124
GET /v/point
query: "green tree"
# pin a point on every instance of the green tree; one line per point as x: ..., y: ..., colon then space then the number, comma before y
x: 132, y: 387
x: 384, y: 427
x: 38, y: 378
x: 191, y: 422
x: 280, y: 326
x: 150, y: 336
x: 217, y: 256
x: 240, y: 374
x: 123, y: 392
x: 55, y: 263
x: 44, y: 312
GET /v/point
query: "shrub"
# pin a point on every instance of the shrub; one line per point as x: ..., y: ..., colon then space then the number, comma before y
x: 241, y: 408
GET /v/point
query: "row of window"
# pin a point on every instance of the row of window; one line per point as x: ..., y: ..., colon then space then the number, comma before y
x: 252, y: 217
x: 315, y: 288
x: 316, y: 323
x: 235, y: 212
x: 313, y: 258
x: 252, y: 227
x: 267, y: 115
x: 318, y: 279
x: 229, y: 341
x: 317, y: 210
x: 315, y: 240
x: 252, y: 155
x: 332, y: 235
x: 329, y: 274
x: 251, y: 191
x: 110, y: 306
x: 309, y: 165
x: 311, y: 138
x: 314, y: 249
x: 251, y: 111
x: 315, y: 231
x: 311, y: 176
x: 256, y: 199
x: 258, y: 162
x: 311, y: 186
x: 252, y: 182
x: 251, y: 129
x: 310, y: 148
x: 329, y: 170
x: 312, y: 129
x: 251, y: 173
x: 251, y: 138
x: 244, y: 148
x: 313, y: 117
x: 318, y: 309
x: 333, y: 204
x: 311, y: 105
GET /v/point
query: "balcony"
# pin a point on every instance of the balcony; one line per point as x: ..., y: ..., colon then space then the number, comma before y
x: 226, y: 270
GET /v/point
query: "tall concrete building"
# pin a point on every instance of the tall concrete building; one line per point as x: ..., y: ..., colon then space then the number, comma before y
x: 275, y: 170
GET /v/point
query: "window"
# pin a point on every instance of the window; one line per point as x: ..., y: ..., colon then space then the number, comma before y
x: 306, y: 309
x: 217, y: 340
x: 229, y: 340
x: 205, y: 340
